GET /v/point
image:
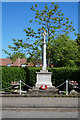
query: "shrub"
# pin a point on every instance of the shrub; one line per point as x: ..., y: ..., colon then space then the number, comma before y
x: 31, y: 75
x: 59, y: 75
x: 28, y: 75
x: 11, y: 74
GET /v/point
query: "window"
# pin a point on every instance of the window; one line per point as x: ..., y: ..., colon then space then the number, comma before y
x: 8, y: 65
x: 38, y: 65
x: 23, y: 65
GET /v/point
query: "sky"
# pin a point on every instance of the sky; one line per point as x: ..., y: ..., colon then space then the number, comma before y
x: 16, y: 17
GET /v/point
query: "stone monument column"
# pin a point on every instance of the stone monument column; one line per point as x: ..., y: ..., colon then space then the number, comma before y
x: 44, y: 77
x: 44, y: 53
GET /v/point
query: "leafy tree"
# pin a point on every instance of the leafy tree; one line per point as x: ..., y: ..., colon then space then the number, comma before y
x: 15, y: 55
x: 35, y: 60
x: 78, y: 43
x: 64, y: 52
x: 50, y: 19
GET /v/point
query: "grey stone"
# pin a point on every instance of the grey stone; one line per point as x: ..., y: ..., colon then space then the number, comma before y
x: 30, y: 90
x: 43, y: 78
x: 43, y: 71
x: 73, y: 92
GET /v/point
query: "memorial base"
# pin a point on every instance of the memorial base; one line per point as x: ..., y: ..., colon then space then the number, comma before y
x: 43, y: 78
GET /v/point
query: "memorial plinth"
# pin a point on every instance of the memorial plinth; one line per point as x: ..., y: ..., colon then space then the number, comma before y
x: 43, y: 78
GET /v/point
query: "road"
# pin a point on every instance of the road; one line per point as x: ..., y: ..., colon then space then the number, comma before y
x: 39, y: 107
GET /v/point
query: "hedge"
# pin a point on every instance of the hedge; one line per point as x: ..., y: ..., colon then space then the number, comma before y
x: 11, y: 74
x: 0, y: 77
x: 59, y: 75
x: 28, y: 75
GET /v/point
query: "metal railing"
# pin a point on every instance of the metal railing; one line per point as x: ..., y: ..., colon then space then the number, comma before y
x: 21, y: 82
x: 25, y: 85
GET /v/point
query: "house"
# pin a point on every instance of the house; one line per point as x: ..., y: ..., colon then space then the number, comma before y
x: 18, y: 63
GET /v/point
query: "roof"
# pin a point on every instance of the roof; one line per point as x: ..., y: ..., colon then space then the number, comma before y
x: 18, y: 62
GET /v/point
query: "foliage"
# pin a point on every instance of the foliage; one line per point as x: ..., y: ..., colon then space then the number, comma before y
x: 15, y: 55
x: 11, y: 74
x: 64, y: 52
x: 0, y: 77
x: 78, y: 43
x: 28, y: 75
x: 61, y: 74
x: 35, y: 60
x: 51, y: 19
x: 31, y: 75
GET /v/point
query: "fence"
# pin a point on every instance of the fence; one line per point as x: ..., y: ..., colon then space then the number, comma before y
x: 21, y: 82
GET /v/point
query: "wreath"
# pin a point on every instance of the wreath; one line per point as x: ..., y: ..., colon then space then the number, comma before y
x: 43, y: 87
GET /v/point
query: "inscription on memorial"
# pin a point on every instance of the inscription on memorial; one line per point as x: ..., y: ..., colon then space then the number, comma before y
x: 43, y: 78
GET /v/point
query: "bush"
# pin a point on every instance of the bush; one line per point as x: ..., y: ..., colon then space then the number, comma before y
x: 31, y: 75
x: 59, y: 75
x: 0, y: 77
x: 28, y: 75
x: 11, y: 74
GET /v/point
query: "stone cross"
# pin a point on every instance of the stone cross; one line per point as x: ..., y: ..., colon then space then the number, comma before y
x: 44, y: 77
x: 44, y: 52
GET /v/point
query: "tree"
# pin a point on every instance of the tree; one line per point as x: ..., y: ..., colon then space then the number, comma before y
x: 64, y: 52
x: 35, y: 60
x: 78, y: 43
x: 15, y: 55
x: 50, y: 19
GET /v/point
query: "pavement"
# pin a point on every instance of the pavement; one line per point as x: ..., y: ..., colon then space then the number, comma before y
x: 40, y: 101
x: 40, y: 107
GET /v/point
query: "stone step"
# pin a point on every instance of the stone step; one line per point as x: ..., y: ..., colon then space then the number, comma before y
x: 49, y: 91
